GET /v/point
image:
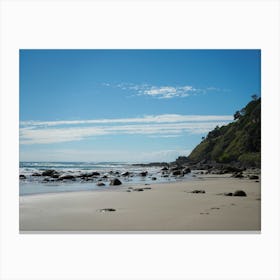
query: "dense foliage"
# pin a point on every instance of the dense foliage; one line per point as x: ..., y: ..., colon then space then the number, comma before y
x: 239, y: 141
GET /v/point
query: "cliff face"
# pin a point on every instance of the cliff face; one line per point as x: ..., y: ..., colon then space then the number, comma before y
x: 238, y: 142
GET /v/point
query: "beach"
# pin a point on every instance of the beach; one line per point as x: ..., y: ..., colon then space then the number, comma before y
x: 165, y: 207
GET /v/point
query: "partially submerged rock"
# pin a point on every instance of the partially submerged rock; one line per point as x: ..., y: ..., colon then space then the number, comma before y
x: 21, y: 176
x: 115, y: 182
x: 66, y: 177
x: 176, y: 173
x: 100, y: 184
x: 49, y: 172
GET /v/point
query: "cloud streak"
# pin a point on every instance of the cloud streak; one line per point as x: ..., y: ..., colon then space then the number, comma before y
x: 164, y: 92
x: 165, y: 118
x: 166, y: 126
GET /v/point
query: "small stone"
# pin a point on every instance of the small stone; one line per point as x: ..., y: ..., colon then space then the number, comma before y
x: 198, y: 191
x: 107, y: 210
x: 228, y: 194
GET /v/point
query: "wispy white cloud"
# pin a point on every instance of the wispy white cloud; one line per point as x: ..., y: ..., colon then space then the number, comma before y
x: 166, y: 91
x: 32, y: 132
x: 165, y: 118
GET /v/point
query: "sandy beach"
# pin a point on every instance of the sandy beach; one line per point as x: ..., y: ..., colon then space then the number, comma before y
x: 164, y: 207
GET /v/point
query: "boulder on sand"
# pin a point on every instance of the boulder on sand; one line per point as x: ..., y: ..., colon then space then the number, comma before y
x: 239, y: 193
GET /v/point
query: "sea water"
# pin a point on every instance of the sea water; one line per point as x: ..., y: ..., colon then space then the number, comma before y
x: 37, y: 185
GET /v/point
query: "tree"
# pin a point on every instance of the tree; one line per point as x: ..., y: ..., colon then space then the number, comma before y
x: 237, y: 115
x: 254, y: 97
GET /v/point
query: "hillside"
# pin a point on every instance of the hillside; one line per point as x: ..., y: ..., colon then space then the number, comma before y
x: 238, y: 142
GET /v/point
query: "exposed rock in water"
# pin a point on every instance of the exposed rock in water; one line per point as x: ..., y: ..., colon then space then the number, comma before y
x: 138, y: 189
x: 36, y: 174
x: 177, y: 173
x: 100, y: 184
x: 154, y: 178
x: 239, y: 193
x: 164, y: 168
x: 125, y: 174
x: 115, y: 182
x: 143, y: 174
x: 21, y: 176
x: 66, y: 177
x: 49, y: 172
x: 253, y: 177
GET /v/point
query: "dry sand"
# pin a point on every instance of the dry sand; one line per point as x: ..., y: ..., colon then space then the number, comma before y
x: 166, y: 207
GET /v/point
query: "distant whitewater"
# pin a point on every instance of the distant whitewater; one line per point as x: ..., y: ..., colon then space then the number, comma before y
x: 79, y: 176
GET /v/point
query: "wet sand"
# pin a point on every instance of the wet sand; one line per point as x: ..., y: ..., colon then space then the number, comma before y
x: 164, y: 207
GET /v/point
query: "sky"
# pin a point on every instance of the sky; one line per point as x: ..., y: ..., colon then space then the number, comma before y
x: 129, y: 105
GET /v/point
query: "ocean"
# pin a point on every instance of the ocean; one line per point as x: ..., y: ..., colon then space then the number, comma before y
x: 30, y: 184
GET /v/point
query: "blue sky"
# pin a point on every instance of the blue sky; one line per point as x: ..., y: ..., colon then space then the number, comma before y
x: 128, y: 105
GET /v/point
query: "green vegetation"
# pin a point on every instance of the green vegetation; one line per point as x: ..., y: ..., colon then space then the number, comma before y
x: 239, y: 141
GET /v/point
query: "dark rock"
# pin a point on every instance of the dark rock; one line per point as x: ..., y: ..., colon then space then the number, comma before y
x: 186, y: 170
x: 95, y: 173
x: 177, y: 173
x: 21, y: 176
x: 144, y: 173
x: 66, y: 177
x: 115, y: 182
x: 138, y: 189
x: 253, y: 177
x: 36, y: 174
x: 231, y: 169
x: 164, y: 168
x: 107, y: 210
x: 46, y: 180
x: 238, y: 175
x: 104, y: 176
x: 49, y: 172
x: 147, y: 188
x: 55, y: 176
x: 165, y: 176
x: 228, y: 194
x: 125, y: 174
x: 100, y: 184
x: 154, y: 178
x: 239, y: 193
x: 198, y: 191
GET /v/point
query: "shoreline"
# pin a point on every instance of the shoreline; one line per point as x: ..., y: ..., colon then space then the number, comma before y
x: 165, y: 207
